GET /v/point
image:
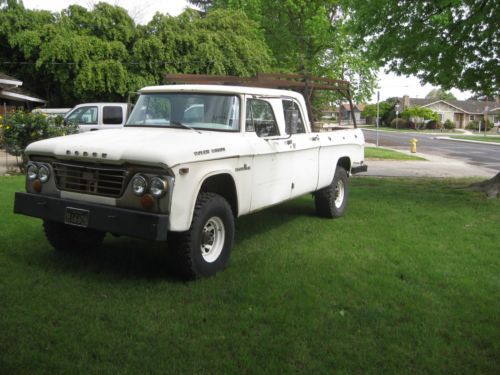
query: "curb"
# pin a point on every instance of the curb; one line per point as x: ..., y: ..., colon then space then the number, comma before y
x: 466, y: 140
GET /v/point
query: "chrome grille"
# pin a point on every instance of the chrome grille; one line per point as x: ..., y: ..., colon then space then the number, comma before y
x: 104, y: 181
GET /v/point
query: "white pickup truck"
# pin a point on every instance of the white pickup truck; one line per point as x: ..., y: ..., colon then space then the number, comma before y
x: 98, y: 116
x: 190, y: 160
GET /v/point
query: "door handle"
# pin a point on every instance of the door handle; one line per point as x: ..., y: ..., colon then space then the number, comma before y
x: 315, y: 138
x: 92, y: 130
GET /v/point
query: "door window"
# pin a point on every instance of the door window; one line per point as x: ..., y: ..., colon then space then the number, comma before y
x: 83, y: 116
x: 112, y: 115
x: 290, y: 105
x: 260, y: 118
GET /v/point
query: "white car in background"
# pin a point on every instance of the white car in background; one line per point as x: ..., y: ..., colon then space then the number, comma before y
x: 98, y: 116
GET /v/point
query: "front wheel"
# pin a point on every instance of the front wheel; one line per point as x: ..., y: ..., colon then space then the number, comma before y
x: 331, y: 201
x: 204, y: 249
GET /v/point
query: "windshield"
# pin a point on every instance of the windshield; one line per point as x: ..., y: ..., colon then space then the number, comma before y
x: 187, y: 110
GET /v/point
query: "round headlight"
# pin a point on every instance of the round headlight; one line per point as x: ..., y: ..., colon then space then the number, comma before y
x: 139, y: 185
x: 158, y: 187
x: 32, y: 171
x: 44, y: 173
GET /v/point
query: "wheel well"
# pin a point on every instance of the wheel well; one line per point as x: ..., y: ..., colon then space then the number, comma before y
x: 222, y: 184
x: 345, y: 163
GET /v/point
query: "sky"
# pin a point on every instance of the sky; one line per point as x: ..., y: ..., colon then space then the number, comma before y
x: 142, y: 11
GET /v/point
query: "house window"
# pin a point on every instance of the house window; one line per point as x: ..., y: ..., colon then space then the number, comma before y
x: 471, y: 118
x: 440, y: 115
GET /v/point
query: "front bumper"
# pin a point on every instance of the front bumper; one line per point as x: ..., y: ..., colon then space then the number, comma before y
x: 104, y: 218
x: 359, y: 169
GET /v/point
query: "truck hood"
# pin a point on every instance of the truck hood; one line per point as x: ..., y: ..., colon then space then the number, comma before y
x: 151, y: 146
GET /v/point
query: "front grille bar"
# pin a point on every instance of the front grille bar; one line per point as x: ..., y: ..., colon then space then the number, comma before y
x: 104, y: 181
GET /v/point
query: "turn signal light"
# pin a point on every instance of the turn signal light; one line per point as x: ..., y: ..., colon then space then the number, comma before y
x: 147, y: 201
x: 37, y: 185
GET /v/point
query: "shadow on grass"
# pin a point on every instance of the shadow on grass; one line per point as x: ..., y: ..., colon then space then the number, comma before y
x: 117, y: 258
x: 126, y: 257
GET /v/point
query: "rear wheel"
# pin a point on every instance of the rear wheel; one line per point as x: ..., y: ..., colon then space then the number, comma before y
x: 65, y: 237
x: 204, y: 249
x: 331, y: 201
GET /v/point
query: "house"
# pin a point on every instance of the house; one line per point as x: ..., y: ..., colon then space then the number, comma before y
x: 345, y: 113
x: 13, y: 96
x: 461, y: 112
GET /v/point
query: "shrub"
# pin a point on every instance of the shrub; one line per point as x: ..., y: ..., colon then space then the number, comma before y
x: 433, y: 124
x: 474, y: 125
x: 399, y: 123
x: 448, y: 124
x: 20, y: 128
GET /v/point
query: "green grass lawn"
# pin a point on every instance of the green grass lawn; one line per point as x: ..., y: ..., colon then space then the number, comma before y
x: 482, y: 138
x: 384, y: 153
x: 407, y: 282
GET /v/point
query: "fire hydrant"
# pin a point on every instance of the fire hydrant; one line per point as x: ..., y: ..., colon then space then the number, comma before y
x: 413, y: 145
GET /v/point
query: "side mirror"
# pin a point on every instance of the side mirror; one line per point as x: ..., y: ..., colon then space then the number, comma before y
x: 292, y: 120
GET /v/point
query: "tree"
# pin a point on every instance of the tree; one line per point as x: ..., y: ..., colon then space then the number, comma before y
x: 450, y: 43
x: 416, y: 112
x: 309, y: 36
x: 101, y: 55
x: 440, y: 94
x: 223, y: 42
x: 385, y: 107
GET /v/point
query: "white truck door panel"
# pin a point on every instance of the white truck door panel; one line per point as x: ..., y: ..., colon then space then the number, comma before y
x: 305, y: 163
x: 271, y: 172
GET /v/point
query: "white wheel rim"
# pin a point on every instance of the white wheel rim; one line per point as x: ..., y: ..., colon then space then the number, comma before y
x: 212, y: 239
x: 339, y: 193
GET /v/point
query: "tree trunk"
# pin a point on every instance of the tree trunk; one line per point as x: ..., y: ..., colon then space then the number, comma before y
x: 491, y: 187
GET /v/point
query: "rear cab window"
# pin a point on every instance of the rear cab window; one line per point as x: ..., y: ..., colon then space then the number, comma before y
x: 112, y: 115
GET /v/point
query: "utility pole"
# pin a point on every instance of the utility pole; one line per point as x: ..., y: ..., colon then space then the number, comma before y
x: 378, y: 111
x: 485, y: 115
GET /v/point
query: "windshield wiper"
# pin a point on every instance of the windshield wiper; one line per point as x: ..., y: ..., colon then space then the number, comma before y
x: 182, y: 125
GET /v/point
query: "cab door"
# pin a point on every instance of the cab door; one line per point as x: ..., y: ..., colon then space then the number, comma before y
x: 306, y: 147
x: 271, y: 165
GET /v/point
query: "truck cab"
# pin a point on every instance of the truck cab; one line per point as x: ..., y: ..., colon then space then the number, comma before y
x: 98, y: 116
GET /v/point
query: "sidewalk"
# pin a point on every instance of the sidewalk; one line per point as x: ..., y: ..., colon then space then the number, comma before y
x: 433, y: 166
x: 7, y: 162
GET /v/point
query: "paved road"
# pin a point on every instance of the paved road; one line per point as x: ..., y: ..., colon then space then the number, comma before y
x: 483, y: 155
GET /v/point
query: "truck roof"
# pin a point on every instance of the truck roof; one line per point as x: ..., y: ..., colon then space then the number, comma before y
x: 221, y: 89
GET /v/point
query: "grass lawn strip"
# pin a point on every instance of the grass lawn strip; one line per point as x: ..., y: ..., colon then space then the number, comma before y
x: 406, y: 282
x: 387, y: 154
x: 481, y: 138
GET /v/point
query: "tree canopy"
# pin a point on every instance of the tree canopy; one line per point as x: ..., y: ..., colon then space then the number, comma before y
x: 102, y: 55
x: 440, y: 94
x: 449, y: 43
x: 310, y: 37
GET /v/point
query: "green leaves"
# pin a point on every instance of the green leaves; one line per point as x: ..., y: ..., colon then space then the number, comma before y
x: 448, y: 43
x: 101, y: 55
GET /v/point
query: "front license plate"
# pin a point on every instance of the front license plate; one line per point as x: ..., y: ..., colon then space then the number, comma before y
x: 76, y: 216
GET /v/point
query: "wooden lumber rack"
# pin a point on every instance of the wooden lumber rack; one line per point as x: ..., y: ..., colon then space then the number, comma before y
x: 303, y: 83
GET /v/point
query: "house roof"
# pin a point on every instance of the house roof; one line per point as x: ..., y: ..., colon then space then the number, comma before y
x: 8, y: 81
x: 467, y: 106
x: 347, y: 107
x: 19, y: 94
x: 10, y: 89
